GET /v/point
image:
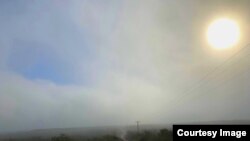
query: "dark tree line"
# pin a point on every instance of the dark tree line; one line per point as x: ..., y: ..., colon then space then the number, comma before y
x: 162, y: 135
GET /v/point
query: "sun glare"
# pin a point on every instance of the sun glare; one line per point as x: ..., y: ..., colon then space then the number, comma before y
x: 223, y: 33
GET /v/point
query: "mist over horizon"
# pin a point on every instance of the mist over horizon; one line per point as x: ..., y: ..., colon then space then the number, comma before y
x: 93, y: 63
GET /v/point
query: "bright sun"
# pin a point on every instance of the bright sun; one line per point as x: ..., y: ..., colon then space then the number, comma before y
x: 223, y: 33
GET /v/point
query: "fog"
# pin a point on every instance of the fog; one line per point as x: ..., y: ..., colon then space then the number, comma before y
x: 98, y: 63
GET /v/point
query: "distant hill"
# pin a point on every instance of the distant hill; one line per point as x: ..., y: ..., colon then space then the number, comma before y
x: 104, y: 130
x: 48, y: 133
x: 84, y: 131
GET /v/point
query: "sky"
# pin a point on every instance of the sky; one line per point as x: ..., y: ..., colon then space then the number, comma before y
x: 84, y: 63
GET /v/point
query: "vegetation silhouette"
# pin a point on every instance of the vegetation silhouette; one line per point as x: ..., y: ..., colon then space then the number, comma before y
x: 146, y: 135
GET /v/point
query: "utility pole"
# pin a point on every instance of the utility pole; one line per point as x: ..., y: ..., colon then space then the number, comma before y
x: 138, y: 128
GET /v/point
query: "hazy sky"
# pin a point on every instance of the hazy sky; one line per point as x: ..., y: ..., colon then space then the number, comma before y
x: 111, y: 62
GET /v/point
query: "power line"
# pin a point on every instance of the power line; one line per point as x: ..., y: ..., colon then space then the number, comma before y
x: 205, y: 80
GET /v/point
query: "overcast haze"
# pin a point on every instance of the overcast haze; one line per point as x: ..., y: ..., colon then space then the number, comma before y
x: 112, y: 62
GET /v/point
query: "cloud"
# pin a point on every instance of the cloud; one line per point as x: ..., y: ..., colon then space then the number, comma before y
x: 122, y: 60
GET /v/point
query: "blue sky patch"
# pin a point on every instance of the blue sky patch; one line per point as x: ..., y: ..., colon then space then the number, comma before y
x: 35, y: 61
